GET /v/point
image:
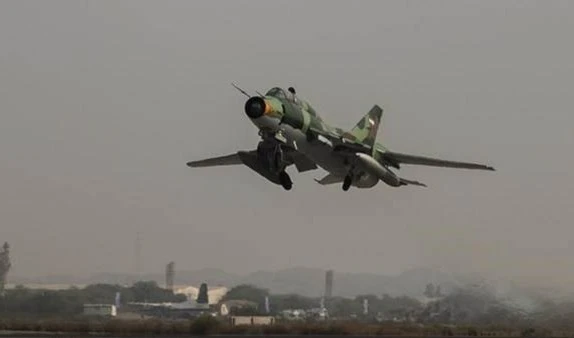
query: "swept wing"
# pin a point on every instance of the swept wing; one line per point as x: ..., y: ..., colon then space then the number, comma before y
x: 395, y: 159
x: 301, y: 162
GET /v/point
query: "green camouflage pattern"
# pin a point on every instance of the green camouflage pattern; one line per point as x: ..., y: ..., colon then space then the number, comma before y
x: 300, y: 114
x: 365, y: 131
x: 360, y: 140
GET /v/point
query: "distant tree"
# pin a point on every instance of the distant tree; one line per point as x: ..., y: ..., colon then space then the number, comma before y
x: 70, y: 301
x: 244, y: 311
x: 430, y: 290
x: 393, y: 305
x: 204, y: 325
x: 203, y: 297
x: 246, y: 292
x: 292, y: 301
x: 144, y: 291
x: 339, y: 306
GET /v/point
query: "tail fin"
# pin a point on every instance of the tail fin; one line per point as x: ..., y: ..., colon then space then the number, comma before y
x: 365, y: 131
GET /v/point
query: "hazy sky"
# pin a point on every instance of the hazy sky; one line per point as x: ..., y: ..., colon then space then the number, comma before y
x: 103, y: 102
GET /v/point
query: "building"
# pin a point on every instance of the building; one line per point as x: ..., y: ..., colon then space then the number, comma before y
x: 317, y: 314
x: 294, y: 314
x: 186, y: 309
x: 252, y: 320
x: 106, y: 310
x: 329, y: 284
x: 305, y: 314
x: 236, y: 305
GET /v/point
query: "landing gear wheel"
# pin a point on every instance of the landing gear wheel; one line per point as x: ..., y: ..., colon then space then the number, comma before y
x: 285, y: 180
x: 347, y: 182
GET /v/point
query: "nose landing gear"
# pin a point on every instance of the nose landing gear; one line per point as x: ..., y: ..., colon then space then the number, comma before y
x: 347, y: 182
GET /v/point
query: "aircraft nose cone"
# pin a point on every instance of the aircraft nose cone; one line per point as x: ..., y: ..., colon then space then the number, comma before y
x: 255, y: 107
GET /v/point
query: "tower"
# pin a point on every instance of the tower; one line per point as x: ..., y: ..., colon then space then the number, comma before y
x: 169, y: 275
x: 137, y: 255
x: 4, y: 266
x: 329, y: 284
x: 267, y: 307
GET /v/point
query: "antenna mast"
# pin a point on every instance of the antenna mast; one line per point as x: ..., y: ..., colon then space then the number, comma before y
x: 137, y: 255
x: 169, y: 275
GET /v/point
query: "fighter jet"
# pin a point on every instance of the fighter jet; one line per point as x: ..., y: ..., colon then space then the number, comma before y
x: 293, y: 133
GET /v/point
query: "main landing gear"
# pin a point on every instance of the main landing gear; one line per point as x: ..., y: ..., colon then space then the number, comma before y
x: 285, y: 180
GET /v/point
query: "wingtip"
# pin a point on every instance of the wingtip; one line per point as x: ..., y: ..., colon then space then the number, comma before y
x: 409, y: 182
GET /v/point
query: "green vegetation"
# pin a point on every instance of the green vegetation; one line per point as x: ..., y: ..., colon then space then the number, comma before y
x: 432, y: 291
x: 207, y: 325
x: 292, y: 301
x: 386, y: 305
x: 460, y: 313
x: 52, y: 302
x: 338, y: 306
x: 247, y: 292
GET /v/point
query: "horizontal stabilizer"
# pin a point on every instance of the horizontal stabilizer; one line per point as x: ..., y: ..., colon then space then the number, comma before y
x: 232, y: 159
x: 330, y: 179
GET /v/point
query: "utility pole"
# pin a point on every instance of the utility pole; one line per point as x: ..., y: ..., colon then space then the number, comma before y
x: 5, y: 265
x: 169, y: 275
x: 137, y: 255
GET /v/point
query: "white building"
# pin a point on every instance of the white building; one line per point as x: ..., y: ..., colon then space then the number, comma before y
x: 100, y: 310
x: 252, y: 320
x: 294, y: 314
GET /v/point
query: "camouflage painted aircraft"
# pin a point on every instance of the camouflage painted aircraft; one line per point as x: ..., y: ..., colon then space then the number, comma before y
x: 292, y: 133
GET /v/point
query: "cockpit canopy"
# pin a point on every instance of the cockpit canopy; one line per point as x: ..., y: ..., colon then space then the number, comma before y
x: 277, y: 92
x: 281, y: 94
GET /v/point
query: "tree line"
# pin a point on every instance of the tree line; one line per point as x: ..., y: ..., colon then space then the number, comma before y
x: 70, y: 301
x: 336, y: 306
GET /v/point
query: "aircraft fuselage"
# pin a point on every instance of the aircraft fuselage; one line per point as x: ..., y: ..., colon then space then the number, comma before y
x: 318, y: 150
x: 292, y: 133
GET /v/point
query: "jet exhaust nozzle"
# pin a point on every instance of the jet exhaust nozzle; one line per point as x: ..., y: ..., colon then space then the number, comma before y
x: 255, y: 107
